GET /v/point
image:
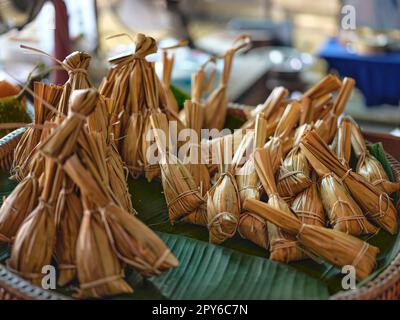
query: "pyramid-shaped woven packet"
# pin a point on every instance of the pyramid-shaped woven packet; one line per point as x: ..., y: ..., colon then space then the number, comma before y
x: 283, y: 247
x: 35, y: 240
x: 99, y: 271
x: 333, y: 246
x: 194, y: 117
x: 216, y: 107
x: 343, y: 212
x: 69, y: 213
x: 180, y: 190
x: 134, y: 86
x: 375, y: 204
x: 133, y: 242
x: 294, y: 172
x: 20, y: 202
x: 27, y: 145
x: 223, y: 202
x: 252, y: 227
x: 368, y: 166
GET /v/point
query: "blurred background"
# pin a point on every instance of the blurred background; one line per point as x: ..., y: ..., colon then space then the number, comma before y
x: 296, y: 42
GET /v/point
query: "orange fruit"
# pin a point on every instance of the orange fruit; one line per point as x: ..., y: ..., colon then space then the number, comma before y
x: 8, y: 89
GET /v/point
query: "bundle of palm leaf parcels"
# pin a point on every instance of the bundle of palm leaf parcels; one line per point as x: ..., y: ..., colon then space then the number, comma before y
x: 72, y: 207
x: 286, y: 184
x: 283, y: 181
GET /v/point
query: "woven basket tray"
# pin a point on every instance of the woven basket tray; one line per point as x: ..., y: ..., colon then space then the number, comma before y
x: 12, y: 287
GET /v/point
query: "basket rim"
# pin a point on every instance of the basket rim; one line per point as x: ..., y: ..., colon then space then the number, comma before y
x: 381, y: 285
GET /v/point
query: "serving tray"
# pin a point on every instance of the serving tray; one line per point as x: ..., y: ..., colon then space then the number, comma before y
x: 230, y: 263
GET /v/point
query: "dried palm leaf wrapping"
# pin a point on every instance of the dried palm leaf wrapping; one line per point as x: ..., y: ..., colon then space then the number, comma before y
x: 320, y: 107
x: 333, y: 246
x: 254, y: 228
x: 376, y: 205
x: 20, y: 203
x: 63, y: 140
x: 343, y: 212
x: 329, y: 120
x: 24, y: 151
x: 325, y: 86
x: 134, y: 86
x: 117, y: 176
x: 172, y: 116
x: 198, y: 170
x: 99, y: 121
x: 151, y: 170
x: 251, y: 226
x: 368, y: 166
x: 217, y: 103
x: 69, y: 214
x: 200, y: 85
x: 99, y: 271
x: 308, y: 207
x: 77, y: 64
x: 223, y: 202
x: 91, y: 149
x: 168, y: 63
x: 294, y: 172
x: 198, y: 216
x: 283, y: 247
x: 133, y: 242
x: 269, y: 108
x: 131, y: 151
x: 307, y: 111
x: 180, y: 189
x: 34, y: 243
x: 210, y: 147
x: 280, y: 144
x: 194, y: 116
x: 130, y: 236
x: 249, y: 184
x: 343, y: 141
